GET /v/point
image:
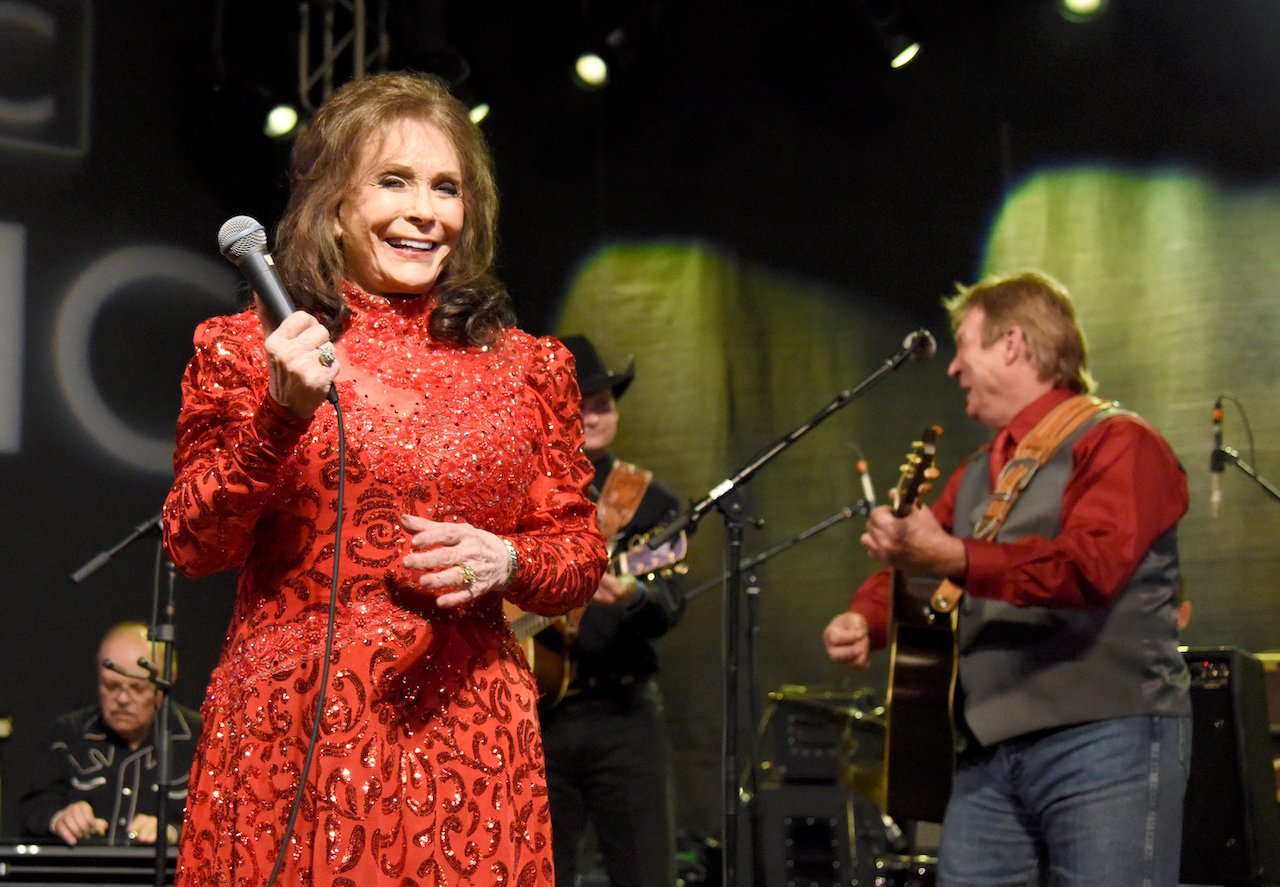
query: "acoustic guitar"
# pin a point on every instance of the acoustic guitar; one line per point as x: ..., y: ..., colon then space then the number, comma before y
x: 548, y: 640
x: 919, y: 729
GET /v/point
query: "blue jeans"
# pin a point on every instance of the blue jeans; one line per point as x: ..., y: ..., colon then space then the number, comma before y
x: 1094, y: 804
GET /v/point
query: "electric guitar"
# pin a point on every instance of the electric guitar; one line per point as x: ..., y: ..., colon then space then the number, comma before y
x: 919, y: 729
x: 548, y: 640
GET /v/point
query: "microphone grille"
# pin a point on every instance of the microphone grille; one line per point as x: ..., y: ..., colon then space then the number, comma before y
x: 922, y: 344
x: 240, y: 236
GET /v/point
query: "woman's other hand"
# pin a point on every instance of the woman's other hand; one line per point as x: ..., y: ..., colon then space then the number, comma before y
x: 461, y: 560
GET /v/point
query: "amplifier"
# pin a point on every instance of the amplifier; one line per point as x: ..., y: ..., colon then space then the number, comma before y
x: 1231, y: 820
x: 1271, y: 675
x: 819, y: 736
x: 82, y: 865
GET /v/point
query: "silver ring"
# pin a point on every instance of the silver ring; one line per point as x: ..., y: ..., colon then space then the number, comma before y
x: 327, y: 355
x: 468, y: 575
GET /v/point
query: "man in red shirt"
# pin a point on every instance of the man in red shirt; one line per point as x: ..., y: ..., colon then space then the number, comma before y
x: 1074, y: 713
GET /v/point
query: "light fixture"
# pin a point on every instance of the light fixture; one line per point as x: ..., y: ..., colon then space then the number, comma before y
x: 903, y: 56
x: 889, y: 19
x: 591, y: 71
x: 281, y: 121
x: 1081, y: 10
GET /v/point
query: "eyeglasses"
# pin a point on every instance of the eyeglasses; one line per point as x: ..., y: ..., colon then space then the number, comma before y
x: 132, y: 689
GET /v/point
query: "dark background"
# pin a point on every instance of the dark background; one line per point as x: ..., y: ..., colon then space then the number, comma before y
x: 773, y: 134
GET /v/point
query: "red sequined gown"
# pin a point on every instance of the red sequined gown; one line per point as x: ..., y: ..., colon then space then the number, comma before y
x: 429, y: 767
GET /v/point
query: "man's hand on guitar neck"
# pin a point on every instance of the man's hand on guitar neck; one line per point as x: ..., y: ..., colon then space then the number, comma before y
x: 847, y: 640
x: 615, y: 589
x: 914, y: 544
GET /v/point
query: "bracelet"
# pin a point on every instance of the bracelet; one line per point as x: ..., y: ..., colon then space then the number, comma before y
x: 513, y: 563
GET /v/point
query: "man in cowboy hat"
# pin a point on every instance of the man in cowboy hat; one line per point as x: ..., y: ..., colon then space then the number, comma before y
x: 608, y: 756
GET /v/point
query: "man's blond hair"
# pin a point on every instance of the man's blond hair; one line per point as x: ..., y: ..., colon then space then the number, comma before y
x: 1039, y: 306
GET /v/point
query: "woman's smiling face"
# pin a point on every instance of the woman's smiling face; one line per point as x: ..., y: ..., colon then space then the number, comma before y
x: 403, y: 213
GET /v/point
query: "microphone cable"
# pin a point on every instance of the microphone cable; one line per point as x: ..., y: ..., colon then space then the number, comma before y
x: 242, y: 240
x: 304, y: 774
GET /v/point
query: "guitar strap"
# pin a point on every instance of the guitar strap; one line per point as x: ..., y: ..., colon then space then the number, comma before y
x: 1033, y: 451
x: 624, y: 488
x: 620, y: 499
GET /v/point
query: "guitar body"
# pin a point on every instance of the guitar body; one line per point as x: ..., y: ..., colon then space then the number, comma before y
x: 920, y: 739
x: 547, y: 649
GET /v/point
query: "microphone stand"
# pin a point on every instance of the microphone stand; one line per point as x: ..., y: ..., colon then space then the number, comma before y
x: 100, y: 559
x: 160, y: 632
x: 1227, y: 454
x: 725, y: 497
x: 163, y: 633
x: 748, y: 779
x: 863, y: 508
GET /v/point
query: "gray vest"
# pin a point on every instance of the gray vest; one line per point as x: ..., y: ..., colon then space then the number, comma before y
x: 1033, y: 668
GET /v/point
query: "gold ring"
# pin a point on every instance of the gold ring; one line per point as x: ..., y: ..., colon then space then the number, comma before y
x: 468, y: 575
x: 327, y: 354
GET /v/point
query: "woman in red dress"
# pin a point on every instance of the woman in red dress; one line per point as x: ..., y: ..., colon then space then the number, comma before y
x: 464, y: 484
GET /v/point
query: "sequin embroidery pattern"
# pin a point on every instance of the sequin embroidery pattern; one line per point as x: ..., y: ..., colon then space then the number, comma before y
x: 429, y: 768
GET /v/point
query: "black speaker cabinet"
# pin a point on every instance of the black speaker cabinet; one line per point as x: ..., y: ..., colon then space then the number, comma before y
x: 1231, y: 820
x: 818, y: 835
x: 812, y: 735
x: 1271, y: 673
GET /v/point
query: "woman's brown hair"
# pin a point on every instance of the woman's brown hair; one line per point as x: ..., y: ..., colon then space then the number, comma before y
x: 473, y: 306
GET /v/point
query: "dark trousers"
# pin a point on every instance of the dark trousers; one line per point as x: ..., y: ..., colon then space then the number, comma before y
x: 608, y: 763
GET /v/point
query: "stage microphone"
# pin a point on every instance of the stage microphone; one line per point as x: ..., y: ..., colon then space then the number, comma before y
x: 920, y: 344
x: 1216, y: 462
x: 243, y: 241
x: 868, y: 491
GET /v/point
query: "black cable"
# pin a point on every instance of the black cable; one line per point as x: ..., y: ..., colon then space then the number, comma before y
x: 1244, y: 420
x: 328, y: 650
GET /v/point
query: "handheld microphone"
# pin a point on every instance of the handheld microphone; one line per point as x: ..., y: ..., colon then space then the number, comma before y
x: 243, y: 241
x: 1216, y: 462
x: 920, y: 344
x: 868, y: 491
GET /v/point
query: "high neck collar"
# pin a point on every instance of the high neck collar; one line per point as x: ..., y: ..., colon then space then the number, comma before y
x: 362, y: 301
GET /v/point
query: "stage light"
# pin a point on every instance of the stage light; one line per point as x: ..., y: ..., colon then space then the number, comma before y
x: 893, y: 28
x: 1081, y: 10
x: 590, y: 71
x: 281, y: 122
x: 479, y: 111
x: 906, y: 54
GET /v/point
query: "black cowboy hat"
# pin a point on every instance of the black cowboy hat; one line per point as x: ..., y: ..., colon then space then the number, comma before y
x: 593, y: 375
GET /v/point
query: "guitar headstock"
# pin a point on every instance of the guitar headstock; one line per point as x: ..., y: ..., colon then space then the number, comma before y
x: 639, y: 558
x: 918, y: 473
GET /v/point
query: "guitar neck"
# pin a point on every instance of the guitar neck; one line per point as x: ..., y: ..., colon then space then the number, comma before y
x: 529, y: 624
x: 634, y: 561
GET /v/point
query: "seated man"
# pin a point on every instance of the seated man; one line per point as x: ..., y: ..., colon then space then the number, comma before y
x: 97, y: 775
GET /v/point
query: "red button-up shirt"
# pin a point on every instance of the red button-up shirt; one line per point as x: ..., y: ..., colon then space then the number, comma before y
x: 1126, y: 489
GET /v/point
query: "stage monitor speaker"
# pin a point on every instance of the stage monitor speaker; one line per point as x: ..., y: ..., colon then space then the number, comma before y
x: 818, y: 835
x: 810, y: 735
x: 1271, y: 674
x: 1231, y: 820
